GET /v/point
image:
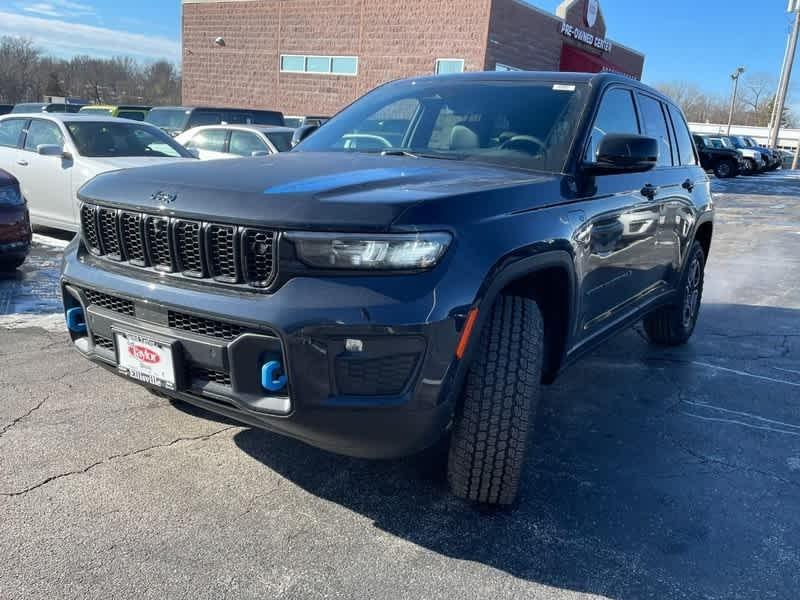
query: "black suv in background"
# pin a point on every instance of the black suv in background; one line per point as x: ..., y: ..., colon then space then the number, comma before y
x: 177, y: 119
x: 376, y: 290
x: 724, y: 162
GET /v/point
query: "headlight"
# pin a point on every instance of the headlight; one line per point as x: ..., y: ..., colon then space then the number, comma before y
x: 368, y: 251
x: 10, y: 196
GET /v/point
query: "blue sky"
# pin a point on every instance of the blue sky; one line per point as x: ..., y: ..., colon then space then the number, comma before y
x: 700, y: 41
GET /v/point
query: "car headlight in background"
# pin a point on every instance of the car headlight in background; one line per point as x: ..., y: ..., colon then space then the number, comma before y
x: 368, y: 251
x: 10, y: 196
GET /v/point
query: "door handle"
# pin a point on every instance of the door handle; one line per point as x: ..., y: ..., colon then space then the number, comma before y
x: 22, y: 163
x: 649, y: 191
x: 688, y: 185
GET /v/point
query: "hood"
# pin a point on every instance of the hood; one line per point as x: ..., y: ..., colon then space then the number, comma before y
x: 333, y: 190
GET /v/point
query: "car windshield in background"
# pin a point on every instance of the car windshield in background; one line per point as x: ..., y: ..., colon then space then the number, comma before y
x: 527, y: 124
x: 173, y: 119
x: 104, y: 139
x: 282, y: 140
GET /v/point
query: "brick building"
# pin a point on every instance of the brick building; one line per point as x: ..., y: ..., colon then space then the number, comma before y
x: 315, y: 56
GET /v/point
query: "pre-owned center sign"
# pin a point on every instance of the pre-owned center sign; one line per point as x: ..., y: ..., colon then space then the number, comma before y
x: 585, y: 37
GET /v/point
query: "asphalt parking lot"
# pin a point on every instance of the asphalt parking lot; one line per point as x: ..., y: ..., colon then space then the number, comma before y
x: 653, y: 473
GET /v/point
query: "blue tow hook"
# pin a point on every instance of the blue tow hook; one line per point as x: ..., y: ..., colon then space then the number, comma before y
x: 76, y: 322
x: 268, y: 380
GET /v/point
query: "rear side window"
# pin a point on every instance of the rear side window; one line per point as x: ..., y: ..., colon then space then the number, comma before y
x: 683, y: 139
x: 134, y: 115
x: 210, y: 139
x: 655, y: 125
x: 615, y: 115
x: 244, y: 143
x: 43, y: 133
x: 10, y: 130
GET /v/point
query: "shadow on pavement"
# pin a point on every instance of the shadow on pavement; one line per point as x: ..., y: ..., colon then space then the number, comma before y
x: 625, y: 496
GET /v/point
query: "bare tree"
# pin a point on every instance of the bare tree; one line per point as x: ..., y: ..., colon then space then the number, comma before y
x: 27, y: 75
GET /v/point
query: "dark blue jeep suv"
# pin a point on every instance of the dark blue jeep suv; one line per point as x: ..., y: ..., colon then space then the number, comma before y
x: 414, y: 269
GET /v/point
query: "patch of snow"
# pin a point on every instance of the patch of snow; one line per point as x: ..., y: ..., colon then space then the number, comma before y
x: 51, y: 322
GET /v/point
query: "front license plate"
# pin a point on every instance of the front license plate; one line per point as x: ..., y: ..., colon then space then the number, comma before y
x: 146, y: 359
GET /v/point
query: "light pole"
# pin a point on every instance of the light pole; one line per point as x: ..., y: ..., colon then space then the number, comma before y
x: 735, y: 76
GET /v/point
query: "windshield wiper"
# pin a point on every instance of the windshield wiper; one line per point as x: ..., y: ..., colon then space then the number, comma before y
x: 414, y: 154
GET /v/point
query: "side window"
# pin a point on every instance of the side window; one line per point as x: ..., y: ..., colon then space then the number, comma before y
x: 43, y: 132
x: 10, y: 130
x: 682, y: 138
x: 655, y: 125
x: 199, y: 118
x: 615, y: 115
x: 133, y: 115
x: 244, y: 143
x: 210, y: 139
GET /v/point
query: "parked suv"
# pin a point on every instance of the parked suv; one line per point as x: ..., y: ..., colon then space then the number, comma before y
x: 370, y: 295
x: 177, y: 119
x: 755, y: 159
x: 724, y: 162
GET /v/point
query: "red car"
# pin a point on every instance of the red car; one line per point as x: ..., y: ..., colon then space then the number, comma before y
x: 15, y: 224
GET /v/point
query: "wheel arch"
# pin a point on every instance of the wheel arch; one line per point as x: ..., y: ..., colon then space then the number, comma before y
x: 549, y: 279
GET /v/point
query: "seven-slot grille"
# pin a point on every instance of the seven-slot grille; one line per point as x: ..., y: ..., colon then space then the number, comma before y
x: 200, y: 250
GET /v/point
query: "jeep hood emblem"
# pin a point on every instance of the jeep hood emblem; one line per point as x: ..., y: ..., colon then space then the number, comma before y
x: 163, y: 197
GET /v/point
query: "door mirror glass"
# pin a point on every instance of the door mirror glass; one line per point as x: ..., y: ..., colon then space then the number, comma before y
x: 302, y: 133
x: 624, y: 153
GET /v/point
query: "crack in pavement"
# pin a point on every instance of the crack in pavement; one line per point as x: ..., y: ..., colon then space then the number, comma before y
x: 6, y: 428
x: 704, y: 459
x: 114, y: 457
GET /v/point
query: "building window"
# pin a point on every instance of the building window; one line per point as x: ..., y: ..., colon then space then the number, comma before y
x: 449, y: 65
x: 502, y: 67
x: 319, y: 65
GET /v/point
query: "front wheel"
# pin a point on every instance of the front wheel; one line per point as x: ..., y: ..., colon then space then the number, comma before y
x: 749, y: 166
x: 724, y: 169
x: 490, y: 433
x: 673, y: 325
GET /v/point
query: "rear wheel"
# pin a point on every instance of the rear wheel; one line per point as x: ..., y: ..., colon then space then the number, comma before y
x: 724, y: 169
x: 674, y: 325
x: 490, y: 434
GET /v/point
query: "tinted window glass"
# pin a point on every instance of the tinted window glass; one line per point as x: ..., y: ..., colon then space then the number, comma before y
x: 10, y: 130
x: 171, y: 119
x: 655, y: 126
x: 615, y: 115
x: 199, y: 118
x: 244, y: 143
x: 43, y: 132
x: 122, y: 139
x: 682, y: 138
x: 282, y: 140
x: 210, y: 139
x: 266, y: 117
x: 134, y: 115
x: 526, y: 124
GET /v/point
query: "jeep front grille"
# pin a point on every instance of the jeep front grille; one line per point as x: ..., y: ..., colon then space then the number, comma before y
x: 229, y: 254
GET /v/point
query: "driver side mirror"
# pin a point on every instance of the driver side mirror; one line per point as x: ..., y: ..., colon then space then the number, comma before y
x: 255, y: 153
x: 52, y: 150
x: 624, y: 153
x: 302, y: 133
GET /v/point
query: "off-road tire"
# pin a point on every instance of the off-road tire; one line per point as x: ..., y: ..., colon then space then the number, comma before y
x: 674, y: 325
x: 497, y: 404
x: 725, y: 168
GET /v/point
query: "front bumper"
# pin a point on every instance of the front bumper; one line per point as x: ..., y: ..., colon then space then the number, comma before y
x: 389, y: 399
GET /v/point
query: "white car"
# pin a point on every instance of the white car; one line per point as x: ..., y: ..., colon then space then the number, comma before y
x: 52, y: 155
x: 235, y: 141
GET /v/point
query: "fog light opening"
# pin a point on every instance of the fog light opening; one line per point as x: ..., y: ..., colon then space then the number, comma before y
x: 76, y: 320
x: 272, y: 377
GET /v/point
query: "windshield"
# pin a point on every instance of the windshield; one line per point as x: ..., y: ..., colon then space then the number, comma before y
x: 104, y: 139
x: 173, y: 119
x: 528, y: 124
x: 737, y: 141
x: 282, y: 140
